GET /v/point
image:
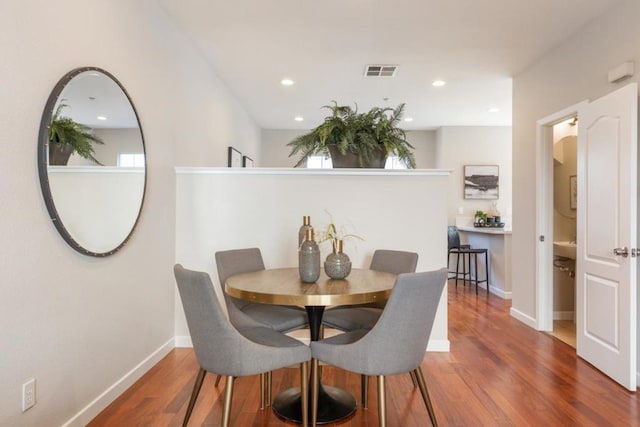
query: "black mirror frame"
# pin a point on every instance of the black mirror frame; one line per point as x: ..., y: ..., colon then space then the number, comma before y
x: 43, y: 143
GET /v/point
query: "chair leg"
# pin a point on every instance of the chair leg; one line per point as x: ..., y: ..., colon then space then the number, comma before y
x: 218, y: 380
x: 194, y: 395
x: 466, y: 268
x: 413, y: 378
x: 228, y: 392
x: 314, y: 392
x: 269, y: 388
x: 304, y: 393
x: 364, y: 390
x: 262, y: 389
x: 382, y: 402
x: 425, y: 396
x: 458, y: 268
x: 475, y: 265
x: 486, y: 263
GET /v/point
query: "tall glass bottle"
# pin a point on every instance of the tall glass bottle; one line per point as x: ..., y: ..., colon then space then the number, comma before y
x: 306, y: 225
x: 309, y: 258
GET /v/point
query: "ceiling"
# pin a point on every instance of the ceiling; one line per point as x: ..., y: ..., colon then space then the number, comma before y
x: 90, y: 95
x: 476, y: 46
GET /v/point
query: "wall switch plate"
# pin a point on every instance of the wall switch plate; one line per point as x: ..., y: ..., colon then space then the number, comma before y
x: 28, y: 394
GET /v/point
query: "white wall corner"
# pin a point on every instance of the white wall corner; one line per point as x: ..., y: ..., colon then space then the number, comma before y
x: 96, y: 406
x: 183, y: 341
x: 524, y: 318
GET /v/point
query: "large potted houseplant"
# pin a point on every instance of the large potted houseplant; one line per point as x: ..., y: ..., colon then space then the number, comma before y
x: 67, y: 136
x: 355, y: 139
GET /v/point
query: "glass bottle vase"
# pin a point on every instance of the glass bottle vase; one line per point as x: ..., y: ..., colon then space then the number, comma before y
x: 306, y: 225
x: 309, y: 259
x: 337, y: 265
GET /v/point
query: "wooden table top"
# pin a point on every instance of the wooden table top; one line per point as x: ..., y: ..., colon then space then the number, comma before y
x: 283, y: 286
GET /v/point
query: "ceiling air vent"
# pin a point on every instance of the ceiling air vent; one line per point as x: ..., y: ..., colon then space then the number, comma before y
x: 380, y: 70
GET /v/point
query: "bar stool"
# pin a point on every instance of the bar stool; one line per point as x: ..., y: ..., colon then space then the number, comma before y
x: 466, y: 252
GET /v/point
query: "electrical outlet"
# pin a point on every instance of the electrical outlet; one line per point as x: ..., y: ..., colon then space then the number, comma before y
x: 28, y: 394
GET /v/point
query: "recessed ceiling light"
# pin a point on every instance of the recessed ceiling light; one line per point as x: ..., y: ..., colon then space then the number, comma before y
x: 101, y: 118
x: 494, y: 110
x: 286, y: 82
x: 439, y: 83
x: 298, y: 118
x: 408, y: 119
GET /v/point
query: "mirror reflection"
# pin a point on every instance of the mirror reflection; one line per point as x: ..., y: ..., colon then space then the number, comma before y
x: 92, y: 161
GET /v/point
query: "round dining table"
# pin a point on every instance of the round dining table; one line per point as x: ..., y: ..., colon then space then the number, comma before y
x: 283, y: 286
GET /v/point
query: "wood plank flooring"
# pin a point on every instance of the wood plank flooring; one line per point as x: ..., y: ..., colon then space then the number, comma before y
x: 498, y: 373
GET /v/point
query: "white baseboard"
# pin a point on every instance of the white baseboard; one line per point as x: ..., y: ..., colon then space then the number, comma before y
x: 90, y: 411
x: 524, y: 318
x: 563, y: 315
x: 500, y: 292
x: 496, y: 291
x: 439, y: 346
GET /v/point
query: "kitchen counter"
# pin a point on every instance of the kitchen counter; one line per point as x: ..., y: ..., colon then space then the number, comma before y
x: 485, y: 230
x: 498, y: 241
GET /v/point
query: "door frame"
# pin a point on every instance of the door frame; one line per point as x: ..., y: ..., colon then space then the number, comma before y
x: 544, y: 214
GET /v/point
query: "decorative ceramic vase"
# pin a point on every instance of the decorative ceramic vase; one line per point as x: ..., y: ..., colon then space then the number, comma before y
x: 306, y: 225
x: 309, y: 259
x: 337, y: 264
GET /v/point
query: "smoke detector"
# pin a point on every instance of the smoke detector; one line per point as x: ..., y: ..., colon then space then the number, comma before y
x: 380, y: 70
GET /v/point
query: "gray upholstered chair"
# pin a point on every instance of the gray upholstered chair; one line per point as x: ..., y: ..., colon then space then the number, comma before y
x: 221, y: 348
x: 395, y: 345
x: 354, y: 317
x: 281, y: 318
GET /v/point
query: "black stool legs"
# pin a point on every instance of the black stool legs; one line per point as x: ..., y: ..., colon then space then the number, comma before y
x: 466, y: 254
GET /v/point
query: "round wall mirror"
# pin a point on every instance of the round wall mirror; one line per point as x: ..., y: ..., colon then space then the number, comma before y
x: 91, y: 161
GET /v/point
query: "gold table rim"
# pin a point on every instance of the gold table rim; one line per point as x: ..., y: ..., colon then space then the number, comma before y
x: 366, y: 286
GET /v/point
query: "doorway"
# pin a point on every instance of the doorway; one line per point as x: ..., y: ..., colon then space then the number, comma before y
x: 556, y: 222
x: 565, y: 206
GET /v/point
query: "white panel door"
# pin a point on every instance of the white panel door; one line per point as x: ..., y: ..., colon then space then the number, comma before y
x: 606, y: 282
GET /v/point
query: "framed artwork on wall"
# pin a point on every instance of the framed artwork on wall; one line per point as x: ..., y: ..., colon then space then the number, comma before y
x: 481, y: 182
x: 247, y: 162
x: 234, y: 158
x: 573, y: 192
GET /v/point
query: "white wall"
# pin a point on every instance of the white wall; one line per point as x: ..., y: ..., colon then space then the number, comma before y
x: 275, y: 153
x: 458, y: 146
x: 116, y: 141
x: 573, y: 72
x: 79, y: 324
x: 215, y: 212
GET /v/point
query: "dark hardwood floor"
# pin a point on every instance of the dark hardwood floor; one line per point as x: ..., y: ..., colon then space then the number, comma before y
x: 498, y: 373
